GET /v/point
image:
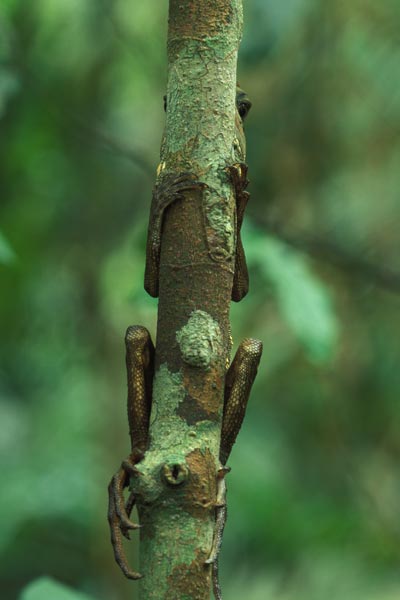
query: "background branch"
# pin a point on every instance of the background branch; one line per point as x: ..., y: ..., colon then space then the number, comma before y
x: 327, y: 251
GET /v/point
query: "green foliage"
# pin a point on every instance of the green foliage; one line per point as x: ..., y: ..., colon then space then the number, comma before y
x: 314, y: 489
x: 46, y: 588
x: 303, y: 299
x: 7, y: 254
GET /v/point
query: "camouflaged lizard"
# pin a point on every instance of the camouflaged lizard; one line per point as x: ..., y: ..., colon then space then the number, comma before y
x: 140, y: 362
x: 170, y: 188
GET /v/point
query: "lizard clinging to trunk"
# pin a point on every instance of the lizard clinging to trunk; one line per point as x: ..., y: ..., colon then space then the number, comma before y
x: 140, y: 354
x: 140, y: 364
x: 170, y: 188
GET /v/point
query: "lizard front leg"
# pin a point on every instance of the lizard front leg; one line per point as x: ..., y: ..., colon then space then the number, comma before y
x: 238, y: 176
x: 140, y: 370
x: 169, y: 188
x: 238, y: 382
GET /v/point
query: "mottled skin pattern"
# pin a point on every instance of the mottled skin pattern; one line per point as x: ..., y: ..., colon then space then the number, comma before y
x: 140, y: 359
x: 170, y: 188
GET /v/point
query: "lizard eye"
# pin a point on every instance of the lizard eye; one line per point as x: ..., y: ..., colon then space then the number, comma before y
x: 243, y: 109
x: 165, y: 103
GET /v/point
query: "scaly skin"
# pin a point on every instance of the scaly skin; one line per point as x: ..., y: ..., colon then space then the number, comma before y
x: 140, y: 371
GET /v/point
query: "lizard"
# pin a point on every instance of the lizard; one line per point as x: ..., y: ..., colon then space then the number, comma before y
x: 170, y: 188
x: 140, y: 357
x: 140, y: 370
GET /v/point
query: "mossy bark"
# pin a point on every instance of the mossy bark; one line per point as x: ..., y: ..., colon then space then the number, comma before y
x: 176, y: 492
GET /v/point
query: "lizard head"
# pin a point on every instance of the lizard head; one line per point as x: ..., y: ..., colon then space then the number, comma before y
x: 243, y: 106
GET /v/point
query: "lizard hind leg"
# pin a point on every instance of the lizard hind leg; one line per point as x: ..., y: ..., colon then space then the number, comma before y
x: 215, y: 580
x: 238, y: 383
x: 140, y: 370
x: 119, y: 522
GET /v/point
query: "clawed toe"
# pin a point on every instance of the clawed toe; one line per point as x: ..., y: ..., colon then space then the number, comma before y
x: 118, y: 518
x: 173, y: 186
x: 128, y: 466
x: 186, y: 182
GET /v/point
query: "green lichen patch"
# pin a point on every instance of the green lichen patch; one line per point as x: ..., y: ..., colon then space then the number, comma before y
x: 168, y: 392
x: 171, y: 433
x: 200, y: 340
x: 220, y: 228
x: 168, y: 430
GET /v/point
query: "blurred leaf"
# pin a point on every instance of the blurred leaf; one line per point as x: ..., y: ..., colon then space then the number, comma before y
x: 46, y: 588
x: 283, y: 15
x: 303, y: 299
x: 9, y: 85
x: 314, y: 576
x: 317, y: 455
x: 7, y: 254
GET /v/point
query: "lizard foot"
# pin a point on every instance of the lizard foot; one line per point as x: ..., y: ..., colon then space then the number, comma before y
x: 119, y: 514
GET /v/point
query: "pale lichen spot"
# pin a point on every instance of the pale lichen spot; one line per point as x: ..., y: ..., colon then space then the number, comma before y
x: 168, y: 393
x: 220, y: 228
x: 200, y: 340
x: 168, y: 388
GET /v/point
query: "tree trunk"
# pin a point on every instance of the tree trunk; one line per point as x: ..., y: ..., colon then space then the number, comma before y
x: 176, y: 493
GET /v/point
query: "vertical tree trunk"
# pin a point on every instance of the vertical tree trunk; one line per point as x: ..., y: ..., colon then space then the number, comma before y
x: 176, y: 493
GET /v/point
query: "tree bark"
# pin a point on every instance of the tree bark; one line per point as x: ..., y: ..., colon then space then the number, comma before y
x: 176, y: 493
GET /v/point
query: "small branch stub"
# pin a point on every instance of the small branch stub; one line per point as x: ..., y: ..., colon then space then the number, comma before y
x: 175, y: 473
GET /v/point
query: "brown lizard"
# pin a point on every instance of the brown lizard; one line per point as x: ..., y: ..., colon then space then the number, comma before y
x: 140, y: 358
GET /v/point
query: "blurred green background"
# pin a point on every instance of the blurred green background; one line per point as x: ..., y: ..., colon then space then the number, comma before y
x: 314, y: 493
